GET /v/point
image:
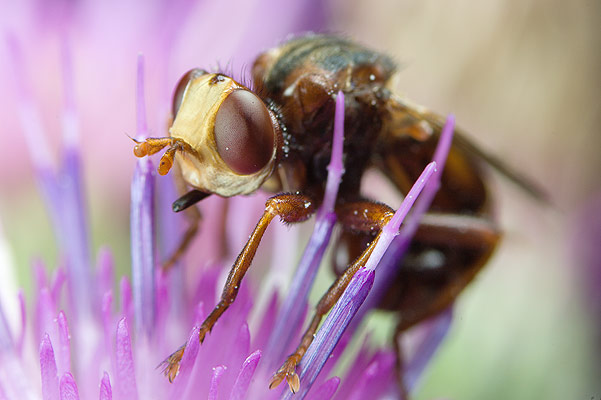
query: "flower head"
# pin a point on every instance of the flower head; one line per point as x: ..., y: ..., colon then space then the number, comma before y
x: 90, y: 347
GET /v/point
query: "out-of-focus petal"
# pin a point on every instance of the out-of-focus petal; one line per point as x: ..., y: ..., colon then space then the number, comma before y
x: 48, y: 370
x: 125, y: 376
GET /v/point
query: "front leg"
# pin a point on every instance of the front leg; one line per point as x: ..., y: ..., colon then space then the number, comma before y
x: 151, y: 146
x: 290, y: 208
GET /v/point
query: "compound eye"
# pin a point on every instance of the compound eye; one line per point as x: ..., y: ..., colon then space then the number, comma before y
x: 244, y: 132
x: 181, y: 87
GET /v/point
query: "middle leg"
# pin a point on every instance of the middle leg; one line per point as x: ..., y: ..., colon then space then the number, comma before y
x: 362, y: 216
x: 290, y: 208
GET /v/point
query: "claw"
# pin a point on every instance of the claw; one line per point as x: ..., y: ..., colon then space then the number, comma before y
x: 288, y: 372
x: 171, y: 364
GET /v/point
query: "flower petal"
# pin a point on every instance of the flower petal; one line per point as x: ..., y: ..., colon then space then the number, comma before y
x: 106, y: 392
x: 332, y: 329
x: 327, y: 390
x: 64, y: 340
x: 125, y: 376
x: 215, y: 381
x: 244, y: 377
x: 293, y: 304
x: 68, y: 387
x: 48, y: 370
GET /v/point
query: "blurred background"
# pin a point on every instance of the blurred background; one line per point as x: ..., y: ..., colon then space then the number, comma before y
x: 521, y: 76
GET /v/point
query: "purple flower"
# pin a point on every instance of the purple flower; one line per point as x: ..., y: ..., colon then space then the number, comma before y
x: 76, y: 342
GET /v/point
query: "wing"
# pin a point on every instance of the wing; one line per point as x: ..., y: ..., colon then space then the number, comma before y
x: 418, y: 122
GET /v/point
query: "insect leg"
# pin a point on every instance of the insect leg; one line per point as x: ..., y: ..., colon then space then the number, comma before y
x: 151, y: 146
x: 447, y: 252
x: 290, y: 208
x: 363, y: 216
x: 192, y: 216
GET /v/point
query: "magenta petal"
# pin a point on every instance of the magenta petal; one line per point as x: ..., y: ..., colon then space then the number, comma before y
x: 371, y: 384
x: 59, y: 278
x: 142, y: 126
x: 326, y: 390
x: 6, y: 338
x: 33, y: 131
x: 180, y: 385
x: 106, y: 392
x: 267, y: 323
x: 244, y: 377
x: 106, y: 271
x: 215, y: 380
x: 125, y: 376
x: 436, y: 330
x: 64, y: 349
x: 23, y: 309
x: 126, y: 299
x: 45, y: 314
x: 107, y: 321
x: 48, y: 370
x: 68, y: 388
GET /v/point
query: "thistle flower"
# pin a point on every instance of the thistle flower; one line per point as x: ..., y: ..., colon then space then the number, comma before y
x: 89, y: 347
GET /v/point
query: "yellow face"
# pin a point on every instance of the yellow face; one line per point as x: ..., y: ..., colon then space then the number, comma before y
x: 230, y: 130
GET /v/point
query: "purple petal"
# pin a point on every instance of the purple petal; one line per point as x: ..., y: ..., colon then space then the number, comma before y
x: 334, y: 357
x: 332, y: 329
x: 215, y: 380
x: 40, y: 274
x: 327, y: 390
x: 142, y: 126
x: 244, y: 377
x: 125, y: 376
x: 48, y: 370
x: 267, y: 323
x: 45, y: 314
x: 106, y: 271
x: 388, y: 266
x: 75, y: 234
x: 143, y: 247
x: 14, y: 381
x: 107, y: 320
x: 180, y: 385
x: 376, y: 379
x: 23, y: 309
x: 391, y: 229
x: 436, y: 330
x: 353, y: 374
x: 199, y: 314
x: 60, y: 276
x: 163, y: 281
x: 64, y: 348
x: 303, y: 278
x: 70, y: 120
x: 106, y: 392
x: 33, y: 131
x: 75, y: 239
x: 335, y: 168
x: 126, y: 298
x: 68, y: 388
x: 6, y: 338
